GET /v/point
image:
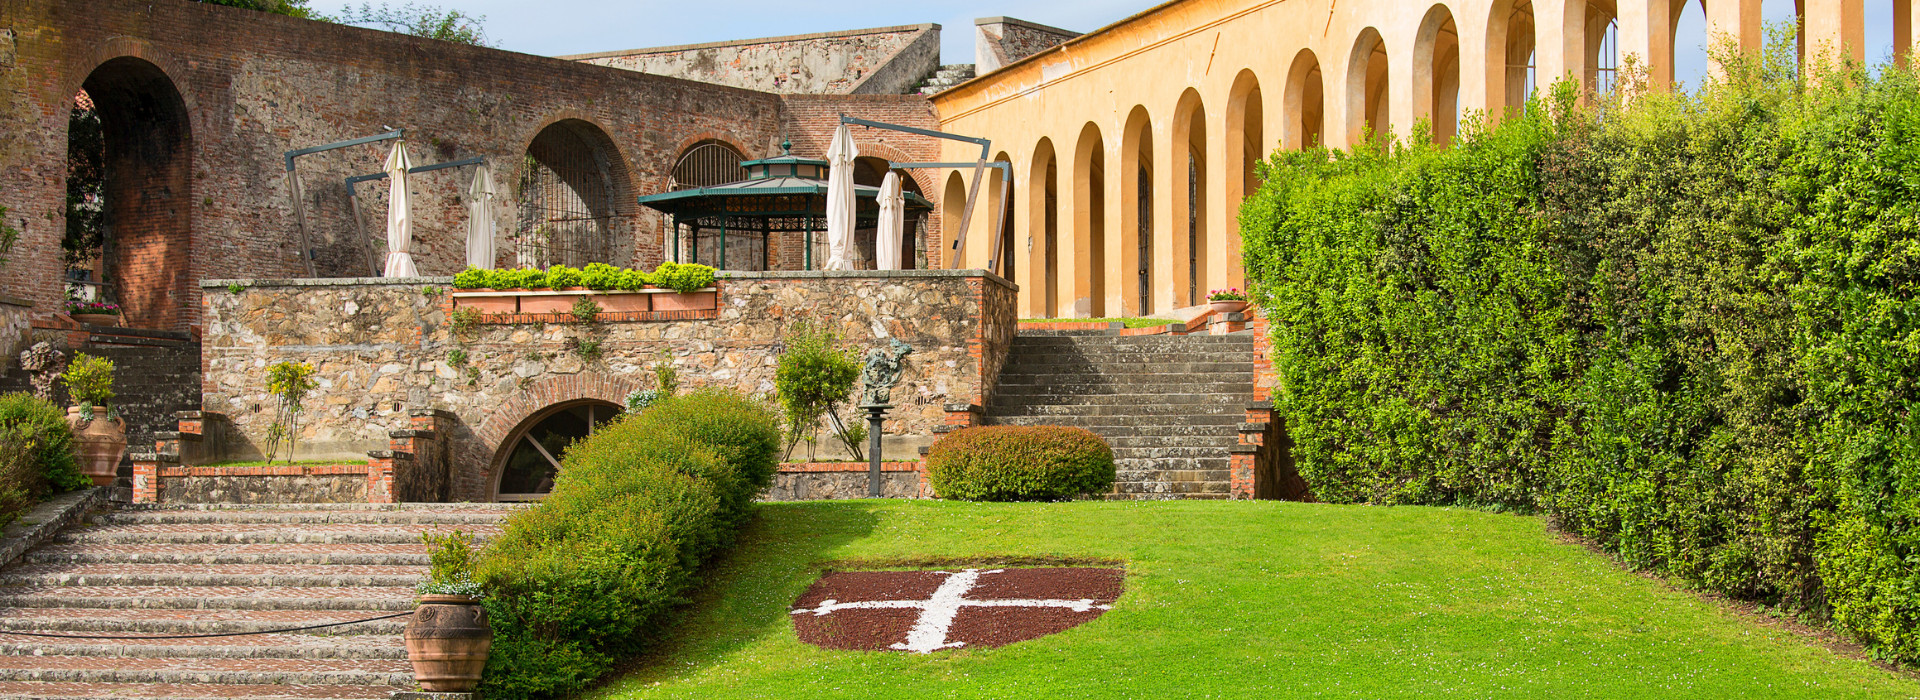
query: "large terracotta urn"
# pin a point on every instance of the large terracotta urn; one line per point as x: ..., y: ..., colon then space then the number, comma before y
x: 98, y: 442
x: 447, y: 642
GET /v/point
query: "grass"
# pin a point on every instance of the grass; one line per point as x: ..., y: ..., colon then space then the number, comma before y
x: 1246, y: 600
x: 282, y: 463
x: 1131, y: 322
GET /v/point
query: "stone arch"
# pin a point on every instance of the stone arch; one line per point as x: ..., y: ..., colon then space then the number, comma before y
x: 1367, y: 87
x: 1042, y: 244
x: 1190, y: 187
x: 1136, y: 212
x: 1599, y: 68
x: 922, y: 181
x: 499, y: 424
x: 953, y: 205
x: 1244, y: 146
x: 1511, y: 56
x: 1305, y: 103
x: 574, y: 199
x: 531, y: 455
x: 146, y: 192
x: 1090, y: 223
x: 1436, y: 74
x: 1000, y: 195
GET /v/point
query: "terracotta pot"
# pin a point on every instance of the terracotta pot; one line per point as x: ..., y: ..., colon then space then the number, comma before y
x: 447, y: 642
x: 98, y: 442
x: 620, y: 302
x: 548, y: 304
x: 1224, y: 307
x: 98, y: 319
x: 503, y: 303
x: 690, y: 301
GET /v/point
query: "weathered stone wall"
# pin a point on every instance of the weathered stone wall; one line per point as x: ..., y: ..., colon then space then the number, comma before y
x: 15, y: 333
x: 383, y: 347
x: 883, y: 60
x: 998, y: 41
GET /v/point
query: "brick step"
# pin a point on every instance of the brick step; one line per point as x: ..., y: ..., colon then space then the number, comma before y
x: 264, y: 534
x: 1162, y: 367
x: 1109, y: 387
x: 1121, y: 426
x: 41, y: 690
x: 1181, y: 413
x: 305, y: 517
x: 1130, y: 381
x: 1012, y: 400
x: 259, y: 646
x: 330, y: 598
x: 296, y: 575
x: 157, y: 622
x: 218, y: 554
x: 89, y: 669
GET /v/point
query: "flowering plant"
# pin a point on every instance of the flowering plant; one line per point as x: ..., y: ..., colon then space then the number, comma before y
x: 1233, y: 294
x: 76, y: 306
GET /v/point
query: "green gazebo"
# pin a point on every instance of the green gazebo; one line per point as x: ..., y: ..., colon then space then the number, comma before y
x: 769, y: 220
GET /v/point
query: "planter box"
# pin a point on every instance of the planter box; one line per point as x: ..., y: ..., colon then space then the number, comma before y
x: 690, y: 301
x: 623, y: 302
x: 489, y: 301
x: 549, y: 301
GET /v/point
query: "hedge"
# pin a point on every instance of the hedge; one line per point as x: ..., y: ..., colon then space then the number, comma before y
x: 637, y: 508
x: 1683, y: 327
x: 679, y: 277
x: 1019, y: 463
x: 36, y: 454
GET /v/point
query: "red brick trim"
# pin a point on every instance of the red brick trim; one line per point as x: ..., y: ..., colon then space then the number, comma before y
x: 817, y: 467
x: 270, y: 470
x: 544, y: 394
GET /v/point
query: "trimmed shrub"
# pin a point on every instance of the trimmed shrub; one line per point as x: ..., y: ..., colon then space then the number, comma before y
x: 601, y: 276
x: 36, y: 453
x: 1020, y: 463
x: 1682, y: 327
x: 636, y: 509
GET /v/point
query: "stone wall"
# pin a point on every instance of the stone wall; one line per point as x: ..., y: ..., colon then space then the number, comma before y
x: 883, y: 60
x: 385, y: 348
x: 15, y: 331
x: 998, y: 41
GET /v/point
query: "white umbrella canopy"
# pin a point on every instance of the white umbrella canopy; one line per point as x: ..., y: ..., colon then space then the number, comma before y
x: 399, y: 214
x: 893, y: 223
x: 480, y: 219
x: 840, y: 205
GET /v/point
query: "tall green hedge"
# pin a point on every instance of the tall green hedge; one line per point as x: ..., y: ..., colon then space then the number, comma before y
x: 574, y: 584
x: 1685, y: 327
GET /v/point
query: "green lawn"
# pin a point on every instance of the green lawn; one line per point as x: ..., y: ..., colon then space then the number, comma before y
x: 1247, y: 600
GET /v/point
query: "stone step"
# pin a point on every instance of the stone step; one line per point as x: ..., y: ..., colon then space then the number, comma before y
x: 259, y: 646
x: 1181, y: 412
x: 1165, y: 464
x: 296, y: 575
x: 1173, y: 475
x: 305, y: 517
x: 42, y: 690
x: 1220, y: 441
x: 1120, y: 426
x: 89, y: 669
x: 1011, y: 400
x: 1142, y: 382
x: 1161, y: 367
x: 220, y: 554
x: 117, y: 622
x: 1083, y: 388
x: 262, y: 534
x: 1102, y: 338
x: 330, y: 598
x: 1129, y: 362
x: 1184, y: 452
x: 1173, y: 488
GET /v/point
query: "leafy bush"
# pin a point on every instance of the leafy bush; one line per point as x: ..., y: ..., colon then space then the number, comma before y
x: 36, y: 453
x: 813, y: 377
x: 89, y: 380
x: 599, y: 276
x: 636, y: 508
x: 1020, y: 463
x: 682, y: 277
x: 1683, y: 330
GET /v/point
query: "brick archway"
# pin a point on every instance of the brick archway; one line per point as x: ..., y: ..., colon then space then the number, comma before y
x: 499, y: 425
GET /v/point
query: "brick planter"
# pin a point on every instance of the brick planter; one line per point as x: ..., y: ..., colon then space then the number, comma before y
x: 549, y: 301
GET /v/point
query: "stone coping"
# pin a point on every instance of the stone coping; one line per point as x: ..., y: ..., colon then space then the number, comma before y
x: 899, y: 29
x: 46, y: 519
x: 1024, y: 23
x: 723, y: 274
x: 862, y: 467
x: 15, y: 301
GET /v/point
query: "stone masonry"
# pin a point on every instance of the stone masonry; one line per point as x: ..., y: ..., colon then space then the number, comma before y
x: 878, y: 61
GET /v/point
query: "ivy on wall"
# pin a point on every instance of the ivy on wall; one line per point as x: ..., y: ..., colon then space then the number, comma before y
x: 1686, y: 327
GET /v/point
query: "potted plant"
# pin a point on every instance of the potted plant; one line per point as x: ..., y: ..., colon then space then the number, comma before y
x: 98, y: 313
x: 99, y: 439
x: 449, y: 637
x: 1227, y: 300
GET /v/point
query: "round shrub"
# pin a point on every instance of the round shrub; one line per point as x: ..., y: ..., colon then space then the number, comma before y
x: 36, y: 432
x: 1020, y: 463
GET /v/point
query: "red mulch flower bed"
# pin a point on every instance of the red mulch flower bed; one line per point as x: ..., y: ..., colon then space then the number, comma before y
x: 924, y: 611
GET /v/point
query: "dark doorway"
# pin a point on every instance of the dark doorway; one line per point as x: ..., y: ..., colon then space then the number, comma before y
x: 130, y: 198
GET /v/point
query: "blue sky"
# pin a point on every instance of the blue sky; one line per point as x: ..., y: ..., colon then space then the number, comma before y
x: 556, y: 27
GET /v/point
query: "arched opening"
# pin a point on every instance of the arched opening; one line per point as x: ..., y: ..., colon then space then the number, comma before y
x: 706, y: 164
x: 1367, y: 97
x: 1691, y: 62
x: 1190, y: 201
x: 1437, y: 74
x: 870, y: 171
x: 1305, y: 103
x: 1245, y: 146
x: 1043, y: 231
x: 1136, y: 210
x: 130, y: 195
x: 529, y: 460
x: 1510, y: 56
x: 1000, y: 197
x: 1090, y: 221
x: 1779, y: 13
x: 1602, y: 33
x: 953, y: 206
x: 573, y: 199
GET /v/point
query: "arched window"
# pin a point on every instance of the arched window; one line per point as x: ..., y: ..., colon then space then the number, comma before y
x: 706, y: 164
x: 533, y: 453
x: 572, y: 184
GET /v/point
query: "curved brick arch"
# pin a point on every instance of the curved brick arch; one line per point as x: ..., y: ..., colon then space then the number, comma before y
x: 922, y: 176
x: 500, y: 424
x: 127, y: 47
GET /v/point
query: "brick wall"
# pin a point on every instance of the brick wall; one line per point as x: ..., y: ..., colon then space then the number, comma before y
x: 811, y: 119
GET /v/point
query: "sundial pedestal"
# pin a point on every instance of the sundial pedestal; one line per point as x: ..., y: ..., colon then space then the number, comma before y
x: 876, y: 414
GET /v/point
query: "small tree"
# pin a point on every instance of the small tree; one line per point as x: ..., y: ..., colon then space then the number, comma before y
x: 289, y: 382
x: 812, y: 378
x: 89, y: 381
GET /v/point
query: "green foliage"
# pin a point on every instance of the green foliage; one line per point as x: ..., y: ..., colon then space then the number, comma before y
x: 635, y: 511
x: 430, y: 290
x: 642, y: 399
x: 289, y: 383
x: 598, y: 276
x: 472, y: 278
x: 450, y: 560
x: 463, y: 319
x: 89, y: 379
x: 1020, y: 463
x: 37, y: 432
x: 290, y: 8
x: 681, y: 277
x: 813, y: 377
x: 585, y: 310
x: 588, y: 349
x: 429, y: 21
x: 563, y: 277
x: 456, y: 357
x: 86, y: 188
x: 236, y: 288
x: 666, y: 379
x: 1685, y: 330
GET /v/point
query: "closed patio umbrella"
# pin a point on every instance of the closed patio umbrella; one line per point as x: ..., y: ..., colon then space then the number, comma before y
x: 480, y: 219
x: 399, y: 214
x: 840, y: 206
x: 893, y: 223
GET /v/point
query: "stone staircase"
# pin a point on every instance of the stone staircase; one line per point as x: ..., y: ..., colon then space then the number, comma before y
x: 182, y: 570
x: 947, y: 76
x: 1169, y: 405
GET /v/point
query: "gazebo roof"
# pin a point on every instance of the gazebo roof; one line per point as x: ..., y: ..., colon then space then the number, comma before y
x: 785, y: 185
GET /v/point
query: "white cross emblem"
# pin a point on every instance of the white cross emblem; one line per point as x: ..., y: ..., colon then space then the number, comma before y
x: 929, y: 633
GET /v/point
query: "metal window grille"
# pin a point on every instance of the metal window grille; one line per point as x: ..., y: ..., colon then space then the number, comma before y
x: 566, y: 212
x: 707, y: 164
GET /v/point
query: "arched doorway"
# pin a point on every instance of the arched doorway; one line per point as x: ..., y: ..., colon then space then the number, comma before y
x: 1136, y: 210
x: 130, y: 158
x: 1510, y: 56
x: 1437, y: 74
x: 1043, y: 244
x: 529, y: 460
x: 1189, y: 151
x: 1090, y: 221
x: 1305, y: 102
x: 1367, y: 88
x: 707, y: 163
x: 574, y: 199
x: 870, y: 171
x: 999, y: 209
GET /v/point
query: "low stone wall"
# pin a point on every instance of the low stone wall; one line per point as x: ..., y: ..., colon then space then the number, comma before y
x: 820, y: 481
x: 341, y: 483
x: 386, y: 348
